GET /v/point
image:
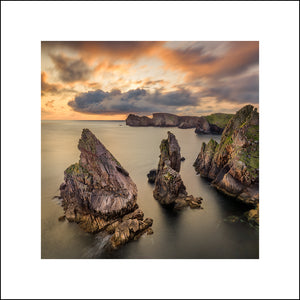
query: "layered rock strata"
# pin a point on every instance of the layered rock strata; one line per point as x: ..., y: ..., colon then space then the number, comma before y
x: 169, y: 120
x: 169, y: 187
x: 233, y: 165
x: 99, y: 194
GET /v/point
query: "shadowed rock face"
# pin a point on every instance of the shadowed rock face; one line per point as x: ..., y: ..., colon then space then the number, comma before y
x: 204, y: 127
x: 233, y: 164
x: 169, y: 187
x: 98, y: 192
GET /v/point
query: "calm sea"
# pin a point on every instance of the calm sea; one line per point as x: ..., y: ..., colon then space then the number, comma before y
x: 183, y: 234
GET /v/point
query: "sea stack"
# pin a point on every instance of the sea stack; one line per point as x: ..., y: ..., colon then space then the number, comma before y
x: 169, y: 187
x: 99, y: 194
x: 233, y: 165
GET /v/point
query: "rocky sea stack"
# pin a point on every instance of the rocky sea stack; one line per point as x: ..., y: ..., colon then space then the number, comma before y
x: 169, y: 187
x: 233, y: 165
x: 99, y: 194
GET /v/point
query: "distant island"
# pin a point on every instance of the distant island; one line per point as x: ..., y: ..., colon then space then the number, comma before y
x: 211, y: 124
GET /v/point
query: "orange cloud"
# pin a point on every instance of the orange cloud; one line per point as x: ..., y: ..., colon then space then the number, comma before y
x: 107, y: 66
x: 47, y: 87
x: 50, y: 103
x: 197, y: 63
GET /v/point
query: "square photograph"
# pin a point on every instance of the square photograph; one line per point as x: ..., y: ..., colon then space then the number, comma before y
x: 150, y: 149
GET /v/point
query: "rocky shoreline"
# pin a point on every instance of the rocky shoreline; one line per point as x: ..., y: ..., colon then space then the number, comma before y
x: 100, y: 196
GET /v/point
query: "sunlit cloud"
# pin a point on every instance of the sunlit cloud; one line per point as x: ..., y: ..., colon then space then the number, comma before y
x: 81, y: 80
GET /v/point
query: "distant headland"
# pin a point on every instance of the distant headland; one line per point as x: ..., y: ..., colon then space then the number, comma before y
x: 214, y: 123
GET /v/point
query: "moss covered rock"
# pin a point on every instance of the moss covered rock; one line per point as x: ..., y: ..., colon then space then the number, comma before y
x: 98, y: 193
x: 233, y: 164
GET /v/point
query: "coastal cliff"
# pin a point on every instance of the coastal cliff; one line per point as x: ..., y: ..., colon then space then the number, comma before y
x: 233, y: 165
x: 183, y: 122
x: 169, y: 188
x: 162, y: 120
x: 99, y: 194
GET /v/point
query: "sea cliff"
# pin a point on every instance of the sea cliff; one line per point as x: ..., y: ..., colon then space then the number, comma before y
x: 233, y: 164
x: 212, y: 124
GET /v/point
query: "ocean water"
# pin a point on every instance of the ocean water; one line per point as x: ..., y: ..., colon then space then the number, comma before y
x: 198, y: 233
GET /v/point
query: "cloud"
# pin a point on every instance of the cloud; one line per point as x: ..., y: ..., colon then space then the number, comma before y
x: 52, y: 88
x: 47, y: 87
x: 71, y: 70
x: 198, y: 62
x: 239, y: 90
x: 178, y: 77
x: 116, y: 50
x: 50, y: 103
x: 138, y: 100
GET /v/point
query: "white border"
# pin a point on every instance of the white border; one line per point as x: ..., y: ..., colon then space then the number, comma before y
x: 274, y: 24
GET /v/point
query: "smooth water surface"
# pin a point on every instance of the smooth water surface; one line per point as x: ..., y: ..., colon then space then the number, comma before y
x: 198, y: 233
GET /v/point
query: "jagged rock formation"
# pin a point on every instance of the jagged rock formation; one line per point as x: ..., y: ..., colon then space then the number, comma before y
x: 233, y: 164
x: 169, y: 187
x: 99, y: 194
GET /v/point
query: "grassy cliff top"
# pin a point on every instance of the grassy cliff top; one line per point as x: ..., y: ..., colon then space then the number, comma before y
x: 219, y: 119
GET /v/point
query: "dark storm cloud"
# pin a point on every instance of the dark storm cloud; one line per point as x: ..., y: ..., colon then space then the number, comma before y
x: 238, y: 90
x: 139, y: 100
x: 71, y: 70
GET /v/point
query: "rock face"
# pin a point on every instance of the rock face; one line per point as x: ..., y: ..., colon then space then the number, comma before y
x: 169, y: 187
x: 99, y: 194
x: 233, y: 165
x: 134, y: 120
x: 162, y: 120
x: 202, y: 125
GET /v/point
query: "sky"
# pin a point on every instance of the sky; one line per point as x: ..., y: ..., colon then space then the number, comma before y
x: 109, y: 80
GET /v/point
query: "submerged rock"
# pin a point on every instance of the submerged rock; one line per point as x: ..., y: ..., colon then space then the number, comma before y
x: 232, y: 219
x: 98, y: 192
x: 169, y: 187
x: 252, y: 216
x: 62, y: 218
x: 233, y: 165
